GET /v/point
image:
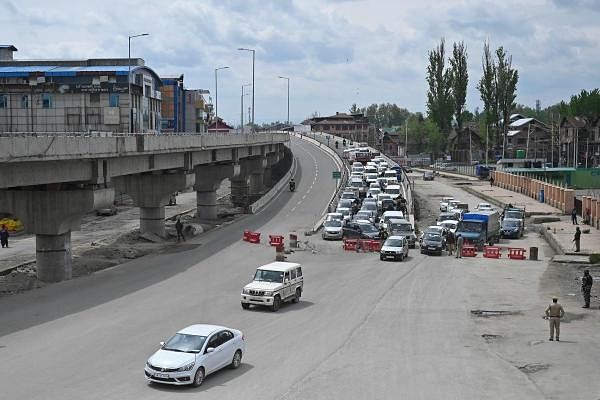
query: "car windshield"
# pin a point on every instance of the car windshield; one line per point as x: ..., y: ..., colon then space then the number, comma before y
x: 356, y: 184
x: 185, y: 343
x: 392, y: 191
x: 449, y: 225
x: 268, y: 276
x: 433, y: 236
x: 363, y: 215
x: 513, y: 214
x: 393, y: 243
x: 347, y: 195
x: 370, y: 206
x: 367, y: 228
x: 468, y: 226
x: 333, y: 223
x: 511, y: 224
x: 345, y: 203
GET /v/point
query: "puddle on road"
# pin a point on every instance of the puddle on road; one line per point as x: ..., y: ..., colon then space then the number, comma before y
x: 490, y: 338
x: 493, y: 313
x: 533, y: 368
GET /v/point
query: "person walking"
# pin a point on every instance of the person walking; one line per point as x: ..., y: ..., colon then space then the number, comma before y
x: 491, y: 181
x: 460, y: 241
x: 574, y: 216
x: 179, y: 229
x: 4, y: 236
x: 586, y: 287
x: 450, y: 239
x: 554, y: 313
x: 577, y: 239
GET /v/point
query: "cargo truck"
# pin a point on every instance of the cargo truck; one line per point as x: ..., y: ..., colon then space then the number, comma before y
x: 478, y: 228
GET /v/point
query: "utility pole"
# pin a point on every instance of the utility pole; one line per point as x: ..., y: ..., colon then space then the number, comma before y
x: 406, y: 139
x: 487, y: 139
x: 253, y: 59
x: 217, y: 99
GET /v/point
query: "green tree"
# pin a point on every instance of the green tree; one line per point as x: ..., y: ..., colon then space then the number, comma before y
x: 506, y: 88
x: 584, y: 104
x: 354, y: 109
x: 487, y: 89
x: 439, y: 95
x: 460, y: 79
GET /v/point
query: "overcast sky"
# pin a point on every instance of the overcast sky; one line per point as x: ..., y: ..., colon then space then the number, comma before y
x: 335, y: 52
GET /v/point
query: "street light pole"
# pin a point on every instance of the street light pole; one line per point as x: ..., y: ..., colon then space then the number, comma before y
x: 288, y: 97
x: 217, y: 98
x: 242, y: 107
x: 129, y: 76
x: 253, y: 57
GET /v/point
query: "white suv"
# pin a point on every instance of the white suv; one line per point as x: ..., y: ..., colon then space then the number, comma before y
x: 274, y: 284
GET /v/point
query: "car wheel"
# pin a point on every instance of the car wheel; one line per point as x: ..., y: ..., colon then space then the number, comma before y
x: 276, y: 303
x: 245, y: 306
x: 381, y: 258
x: 199, y: 377
x: 296, y: 298
x: 237, y: 360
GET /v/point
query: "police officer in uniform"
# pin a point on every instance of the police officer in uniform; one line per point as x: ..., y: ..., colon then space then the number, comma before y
x: 554, y: 313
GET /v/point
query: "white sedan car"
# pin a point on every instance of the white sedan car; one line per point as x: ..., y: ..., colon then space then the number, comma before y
x: 484, y: 207
x: 195, y: 352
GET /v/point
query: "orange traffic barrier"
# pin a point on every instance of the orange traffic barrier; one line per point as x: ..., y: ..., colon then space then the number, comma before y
x: 253, y: 237
x: 350, y: 244
x: 374, y: 245
x: 468, y: 251
x: 516, y: 253
x: 491, y: 252
x: 276, y: 240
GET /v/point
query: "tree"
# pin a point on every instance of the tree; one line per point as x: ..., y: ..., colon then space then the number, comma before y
x: 486, y: 87
x: 354, y: 109
x: 585, y: 104
x: 439, y: 95
x: 460, y: 79
x: 506, y: 88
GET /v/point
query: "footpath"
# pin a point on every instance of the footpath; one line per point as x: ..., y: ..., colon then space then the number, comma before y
x: 556, y: 227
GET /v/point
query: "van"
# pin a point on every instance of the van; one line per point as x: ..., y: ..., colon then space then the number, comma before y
x: 273, y: 284
x: 386, y: 216
x: 394, y: 190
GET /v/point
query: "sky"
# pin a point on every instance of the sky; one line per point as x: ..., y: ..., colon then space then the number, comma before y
x: 336, y: 52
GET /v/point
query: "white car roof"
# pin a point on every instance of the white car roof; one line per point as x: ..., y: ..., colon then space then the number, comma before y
x: 201, y: 329
x: 396, y: 237
x: 280, y: 266
x: 392, y: 187
x: 390, y: 213
x: 446, y: 199
x: 450, y: 221
x: 334, y: 214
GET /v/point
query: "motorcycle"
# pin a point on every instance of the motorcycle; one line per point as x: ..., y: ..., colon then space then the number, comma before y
x: 292, y: 186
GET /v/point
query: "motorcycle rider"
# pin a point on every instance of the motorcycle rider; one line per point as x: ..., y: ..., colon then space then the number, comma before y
x: 292, y: 185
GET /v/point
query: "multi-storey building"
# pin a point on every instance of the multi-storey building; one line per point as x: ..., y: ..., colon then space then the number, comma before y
x: 91, y: 95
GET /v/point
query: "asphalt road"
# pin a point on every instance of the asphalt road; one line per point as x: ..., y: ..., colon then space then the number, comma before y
x: 364, y: 329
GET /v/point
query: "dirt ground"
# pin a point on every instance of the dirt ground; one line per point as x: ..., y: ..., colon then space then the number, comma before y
x: 109, y: 249
x: 509, y: 303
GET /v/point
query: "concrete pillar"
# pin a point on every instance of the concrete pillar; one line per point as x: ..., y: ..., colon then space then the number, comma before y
x: 208, y: 180
x: 569, y: 199
x: 268, y: 177
x: 51, y: 215
x: 151, y: 192
x: 272, y: 159
x: 53, y: 257
x: 152, y: 220
x: 246, y: 189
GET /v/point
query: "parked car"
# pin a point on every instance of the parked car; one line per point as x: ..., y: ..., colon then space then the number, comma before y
x: 360, y: 230
x: 428, y: 175
x: 433, y: 243
x: 273, y: 284
x: 402, y: 227
x: 193, y: 353
x: 106, y: 211
x: 511, y: 228
x: 395, y: 248
x: 332, y: 229
x: 444, y: 203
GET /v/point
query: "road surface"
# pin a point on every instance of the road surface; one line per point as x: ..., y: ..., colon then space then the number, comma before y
x: 364, y: 329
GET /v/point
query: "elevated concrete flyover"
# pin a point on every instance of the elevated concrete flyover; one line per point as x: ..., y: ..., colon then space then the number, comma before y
x: 49, y: 182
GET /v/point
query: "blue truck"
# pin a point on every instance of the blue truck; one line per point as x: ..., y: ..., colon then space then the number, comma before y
x: 478, y: 228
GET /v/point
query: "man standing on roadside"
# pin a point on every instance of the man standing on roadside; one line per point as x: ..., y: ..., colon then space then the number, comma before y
x: 554, y: 313
x: 460, y: 241
x: 586, y: 287
x: 577, y: 239
x: 491, y: 181
x: 450, y: 242
x: 574, y: 216
x: 4, y: 236
x: 179, y: 229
